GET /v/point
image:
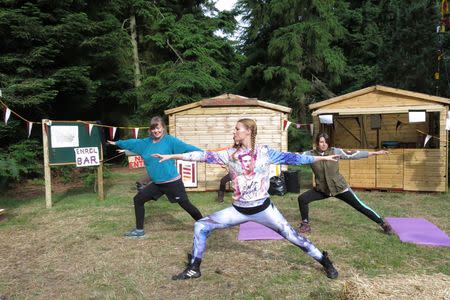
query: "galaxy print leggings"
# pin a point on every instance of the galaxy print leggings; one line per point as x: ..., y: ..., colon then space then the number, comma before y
x: 270, y: 217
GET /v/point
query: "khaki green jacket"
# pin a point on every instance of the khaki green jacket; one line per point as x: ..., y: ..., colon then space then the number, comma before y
x: 327, y: 177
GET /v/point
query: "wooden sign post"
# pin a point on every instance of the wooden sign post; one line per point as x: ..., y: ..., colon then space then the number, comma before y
x: 71, y: 143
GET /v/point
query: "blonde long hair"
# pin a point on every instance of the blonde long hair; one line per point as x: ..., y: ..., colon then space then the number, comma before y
x: 249, y: 124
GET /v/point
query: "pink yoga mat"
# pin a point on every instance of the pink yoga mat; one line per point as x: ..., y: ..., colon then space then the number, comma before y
x: 254, y: 231
x: 419, y: 231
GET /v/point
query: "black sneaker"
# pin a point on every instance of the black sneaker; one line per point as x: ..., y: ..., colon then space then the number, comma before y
x: 189, y: 273
x: 192, y: 270
x: 328, y: 266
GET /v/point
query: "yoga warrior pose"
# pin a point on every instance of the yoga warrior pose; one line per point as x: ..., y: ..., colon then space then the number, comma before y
x: 249, y: 167
x: 164, y: 176
x: 330, y: 183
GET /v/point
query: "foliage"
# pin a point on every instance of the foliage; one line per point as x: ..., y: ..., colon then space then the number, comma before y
x: 189, y: 60
x: 291, y: 55
x: 67, y: 60
x: 21, y: 160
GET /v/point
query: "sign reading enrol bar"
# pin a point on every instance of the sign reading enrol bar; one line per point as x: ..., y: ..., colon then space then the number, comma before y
x: 87, y: 156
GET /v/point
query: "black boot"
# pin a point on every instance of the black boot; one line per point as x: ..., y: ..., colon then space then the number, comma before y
x: 192, y: 270
x: 220, y: 195
x: 328, y: 266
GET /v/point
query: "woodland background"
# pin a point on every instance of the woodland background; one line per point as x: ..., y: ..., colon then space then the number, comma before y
x: 121, y: 61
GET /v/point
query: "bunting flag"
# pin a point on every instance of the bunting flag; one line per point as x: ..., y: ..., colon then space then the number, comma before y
x: 427, y: 138
x: 7, y: 114
x: 1, y: 95
x: 90, y: 128
x: 399, y: 125
x: 29, y: 127
x: 298, y: 126
x: 444, y: 7
x: 136, y: 132
x: 112, y: 133
x: 286, y: 124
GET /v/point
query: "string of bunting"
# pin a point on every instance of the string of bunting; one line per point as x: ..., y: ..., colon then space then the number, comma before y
x: 428, y: 137
x: 29, y: 124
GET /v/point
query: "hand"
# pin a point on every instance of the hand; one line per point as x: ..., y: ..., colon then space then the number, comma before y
x: 333, y: 157
x: 111, y: 142
x: 163, y: 157
x: 382, y: 152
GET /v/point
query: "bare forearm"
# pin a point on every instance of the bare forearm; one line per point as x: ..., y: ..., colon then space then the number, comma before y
x: 380, y: 152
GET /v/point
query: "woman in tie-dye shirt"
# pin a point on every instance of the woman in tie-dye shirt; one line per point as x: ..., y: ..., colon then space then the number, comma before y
x: 249, y: 166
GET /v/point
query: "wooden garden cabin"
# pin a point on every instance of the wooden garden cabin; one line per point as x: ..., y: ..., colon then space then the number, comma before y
x: 209, y: 124
x: 378, y: 117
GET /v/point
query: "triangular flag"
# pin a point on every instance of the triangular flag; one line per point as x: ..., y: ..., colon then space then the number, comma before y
x: 298, y: 125
x: 286, y: 124
x: 427, y: 138
x: 136, y: 132
x: 90, y: 128
x: 311, y: 128
x: 399, y: 124
x: 7, y: 114
x: 1, y: 95
x: 29, y: 126
x: 112, y: 132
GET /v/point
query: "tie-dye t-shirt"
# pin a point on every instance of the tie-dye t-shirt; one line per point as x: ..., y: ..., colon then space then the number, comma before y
x: 249, y: 170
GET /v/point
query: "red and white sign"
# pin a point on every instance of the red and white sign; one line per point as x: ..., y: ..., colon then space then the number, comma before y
x: 188, y: 172
x: 135, y: 161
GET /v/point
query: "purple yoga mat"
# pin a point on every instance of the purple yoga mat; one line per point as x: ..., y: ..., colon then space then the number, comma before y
x: 419, y: 231
x: 254, y: 231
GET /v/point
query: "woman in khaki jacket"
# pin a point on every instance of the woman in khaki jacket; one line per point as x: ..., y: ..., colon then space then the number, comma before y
x: 330, y: 183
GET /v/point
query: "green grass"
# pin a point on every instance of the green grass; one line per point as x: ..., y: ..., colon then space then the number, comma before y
x: 75, y: 250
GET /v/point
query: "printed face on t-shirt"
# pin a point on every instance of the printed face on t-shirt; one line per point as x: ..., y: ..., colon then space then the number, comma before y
x: 246, y: 163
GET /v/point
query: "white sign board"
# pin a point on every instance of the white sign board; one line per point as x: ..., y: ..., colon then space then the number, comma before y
x: 64, y: 136
x: 188, y: 172
x: 417, y: 116
x: 326, y: 119
x: 87, y: 156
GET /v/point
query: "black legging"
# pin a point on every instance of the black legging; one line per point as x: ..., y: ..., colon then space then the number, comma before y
x: 224, y: 181
x: 174, y: 191
x: 348, y: 197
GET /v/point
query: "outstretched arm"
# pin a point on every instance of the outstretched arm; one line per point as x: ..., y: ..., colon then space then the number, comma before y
x: 164, y: 157
x: 289, y: 158
x: 357, y: 154
x: 380, y: 152
x: 333, y: 157
x: 220, y: 157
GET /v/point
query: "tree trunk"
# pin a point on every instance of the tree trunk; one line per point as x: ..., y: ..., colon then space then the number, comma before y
x: 134, y: 43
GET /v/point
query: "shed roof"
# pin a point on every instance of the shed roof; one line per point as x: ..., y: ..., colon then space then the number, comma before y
x: 430, y: 103
x: 228, y: 100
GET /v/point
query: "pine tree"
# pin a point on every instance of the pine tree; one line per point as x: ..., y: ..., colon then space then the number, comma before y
x: 292, y: 57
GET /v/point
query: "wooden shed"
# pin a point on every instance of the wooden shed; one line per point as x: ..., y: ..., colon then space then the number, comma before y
x: 379, y: 117
x: 209, y: 124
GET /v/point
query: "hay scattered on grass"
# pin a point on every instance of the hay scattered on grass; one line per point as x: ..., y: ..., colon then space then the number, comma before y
x: 435, y: 286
